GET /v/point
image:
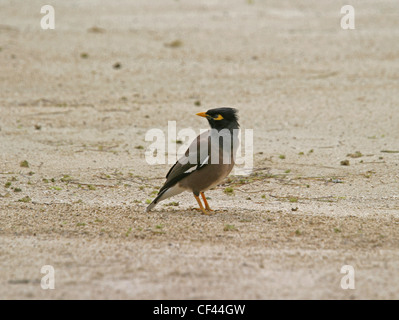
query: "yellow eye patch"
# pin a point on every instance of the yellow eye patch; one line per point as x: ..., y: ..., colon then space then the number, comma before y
x: 219, y: 117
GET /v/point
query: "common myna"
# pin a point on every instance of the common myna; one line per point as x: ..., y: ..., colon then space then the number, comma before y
x: 207, y: 161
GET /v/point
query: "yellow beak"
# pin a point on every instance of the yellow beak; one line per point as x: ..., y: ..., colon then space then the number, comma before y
x: 202, y: 114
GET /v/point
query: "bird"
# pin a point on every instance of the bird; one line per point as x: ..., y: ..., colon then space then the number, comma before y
x: 208, y: 160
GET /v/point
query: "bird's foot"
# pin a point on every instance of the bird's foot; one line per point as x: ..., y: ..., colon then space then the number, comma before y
x: 207, y: 212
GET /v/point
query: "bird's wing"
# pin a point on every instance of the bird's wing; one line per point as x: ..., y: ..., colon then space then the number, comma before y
x: 195, y: 158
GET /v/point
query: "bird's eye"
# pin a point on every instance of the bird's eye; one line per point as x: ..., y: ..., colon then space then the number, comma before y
x: 218, y: 117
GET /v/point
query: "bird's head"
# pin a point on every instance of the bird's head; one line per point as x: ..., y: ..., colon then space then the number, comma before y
x: 221, y: 118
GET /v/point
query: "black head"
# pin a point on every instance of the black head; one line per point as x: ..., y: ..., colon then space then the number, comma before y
x: 221, y: 118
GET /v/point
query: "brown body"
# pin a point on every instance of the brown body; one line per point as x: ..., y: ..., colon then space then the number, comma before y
x: 199, y: 181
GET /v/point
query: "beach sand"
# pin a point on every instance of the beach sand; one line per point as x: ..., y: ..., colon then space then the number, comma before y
x: 76, y: 103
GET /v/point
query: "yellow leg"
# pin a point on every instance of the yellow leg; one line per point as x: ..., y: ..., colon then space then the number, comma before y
x: 207, y: 207
x: 200, y: 205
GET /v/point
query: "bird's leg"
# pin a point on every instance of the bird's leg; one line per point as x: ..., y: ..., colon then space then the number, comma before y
x: 207, y: 207
x: 200, y: 205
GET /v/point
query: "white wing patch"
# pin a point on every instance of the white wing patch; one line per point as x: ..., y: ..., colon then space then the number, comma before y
x: 198, y: 166
x: 191, y: 169
x: 204, y: 162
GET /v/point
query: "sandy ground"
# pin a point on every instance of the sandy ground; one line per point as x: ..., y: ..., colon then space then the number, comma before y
x: 313, y: 93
